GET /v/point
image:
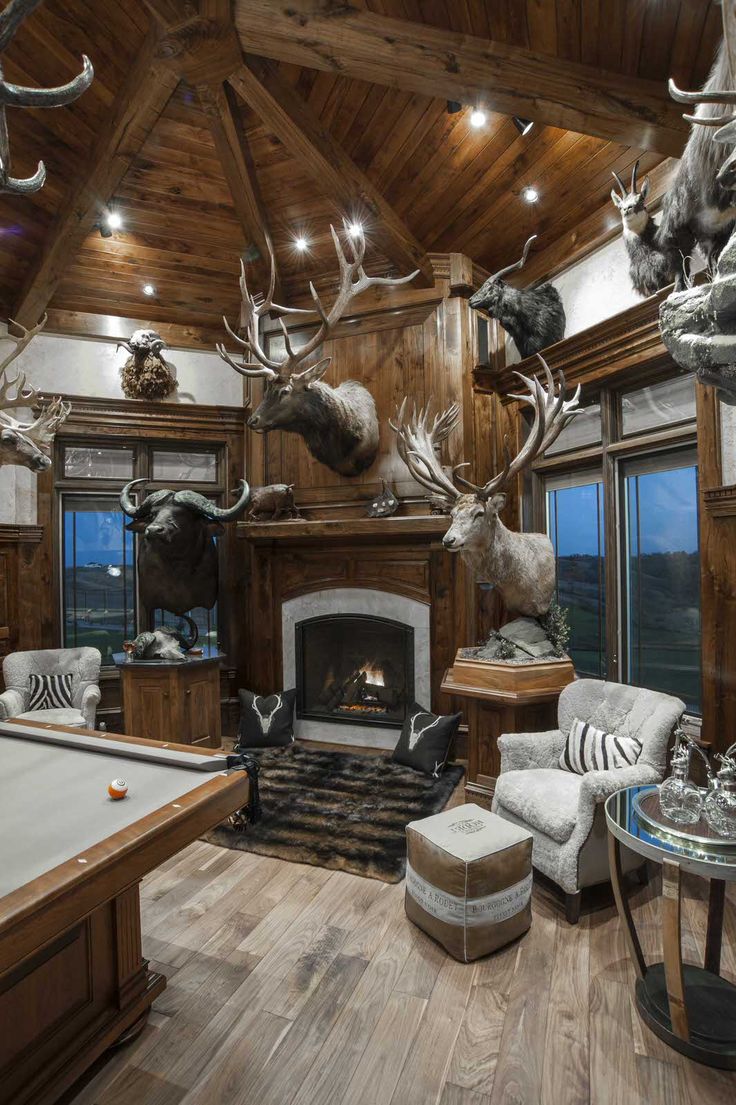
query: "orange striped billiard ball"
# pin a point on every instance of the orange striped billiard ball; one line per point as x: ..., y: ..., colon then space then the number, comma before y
x: 118, y: 788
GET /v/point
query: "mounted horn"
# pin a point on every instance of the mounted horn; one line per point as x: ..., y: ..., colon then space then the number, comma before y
x: 127, y: 505
x: 208, y: 509
x: 517, y: 264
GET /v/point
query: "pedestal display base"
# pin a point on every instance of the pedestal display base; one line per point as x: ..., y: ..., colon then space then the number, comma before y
x: 502, y: 697
x: 168, y: 700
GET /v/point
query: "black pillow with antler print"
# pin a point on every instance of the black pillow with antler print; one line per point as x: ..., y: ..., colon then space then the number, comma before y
x: 266, y: 721
x: 425, y: 740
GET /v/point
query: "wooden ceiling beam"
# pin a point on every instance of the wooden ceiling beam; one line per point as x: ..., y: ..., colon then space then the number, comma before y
x: 445, y: 64
x: 349, y: 190
x: 138, y: 105
x: 236, y: 160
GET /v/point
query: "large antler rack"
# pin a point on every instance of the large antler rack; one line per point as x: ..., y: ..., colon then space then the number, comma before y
x: 19, y: 393
x: 13, y: 95
x: 418, y: 445
x: 353, y: 281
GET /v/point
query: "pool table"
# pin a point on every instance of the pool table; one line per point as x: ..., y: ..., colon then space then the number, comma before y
x: 73, y: 979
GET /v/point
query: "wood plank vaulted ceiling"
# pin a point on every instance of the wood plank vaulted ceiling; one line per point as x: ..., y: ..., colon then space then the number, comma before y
x: 454, y: 187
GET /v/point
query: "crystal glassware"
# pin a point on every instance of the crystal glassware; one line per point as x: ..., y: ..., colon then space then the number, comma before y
x: 720, y: 802
x: 679, y: 799
x: 128, y: 649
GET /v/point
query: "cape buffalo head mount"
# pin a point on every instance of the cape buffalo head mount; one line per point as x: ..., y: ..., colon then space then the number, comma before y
x: 177, y: 556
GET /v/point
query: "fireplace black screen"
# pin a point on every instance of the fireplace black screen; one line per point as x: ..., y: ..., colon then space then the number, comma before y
x: 354, y: 668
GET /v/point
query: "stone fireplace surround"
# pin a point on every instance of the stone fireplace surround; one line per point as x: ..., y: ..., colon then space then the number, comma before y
x: 373, y: 603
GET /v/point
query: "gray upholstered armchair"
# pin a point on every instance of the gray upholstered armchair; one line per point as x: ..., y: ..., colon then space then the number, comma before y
x: 83, y: 663
x: 564, y: 811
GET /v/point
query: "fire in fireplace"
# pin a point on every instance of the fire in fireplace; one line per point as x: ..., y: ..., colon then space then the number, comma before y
x: 354, y: 668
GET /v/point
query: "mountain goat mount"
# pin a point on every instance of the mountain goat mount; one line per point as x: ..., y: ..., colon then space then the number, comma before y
x: 698, y: 324
x: 698, y: 209
x: 533, y: 317
x: 26, y: 443
x: 339, y: 425
x: 520, y: 565
x: 177, y: 556
x: 13, y: 95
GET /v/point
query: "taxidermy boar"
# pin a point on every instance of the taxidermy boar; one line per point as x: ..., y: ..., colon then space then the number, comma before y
x: 272, y: 502
x: 146, y: 374
x: 533, y: 317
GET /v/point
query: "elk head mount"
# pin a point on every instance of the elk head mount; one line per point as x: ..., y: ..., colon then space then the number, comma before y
x: 23, y: 443
x: 339, y: 425
x: 520, y: 565
x: 13, y: 95
x: 533, y: 317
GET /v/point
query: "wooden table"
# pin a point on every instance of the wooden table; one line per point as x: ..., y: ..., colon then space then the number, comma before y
x: 73, y: 979
x: 691, y: 1008
x: 171, y: 700
x: 530, y: 706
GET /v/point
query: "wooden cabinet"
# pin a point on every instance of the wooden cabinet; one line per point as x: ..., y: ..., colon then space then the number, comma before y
x: 169, y: 701
x: 491, y: 711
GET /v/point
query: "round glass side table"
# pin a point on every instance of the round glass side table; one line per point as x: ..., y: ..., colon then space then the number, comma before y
x: 691, y: 1008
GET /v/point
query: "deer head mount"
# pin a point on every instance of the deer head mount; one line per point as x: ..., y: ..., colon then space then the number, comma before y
x: 26, y: 444
x: 13, y: 95
x: 533, y: 317
x: 339, y: 425
x: 520, y: 565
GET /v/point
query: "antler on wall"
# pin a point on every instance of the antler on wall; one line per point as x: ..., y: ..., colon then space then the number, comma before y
x: 521, y: 565
x: 13, y: 95
x: 27, y: 444
x: 339, y: 425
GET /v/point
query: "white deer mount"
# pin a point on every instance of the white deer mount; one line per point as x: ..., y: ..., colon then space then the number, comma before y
x: 26, y: 443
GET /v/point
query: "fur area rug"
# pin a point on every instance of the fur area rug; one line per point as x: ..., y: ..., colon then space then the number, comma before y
x: 336, y: 810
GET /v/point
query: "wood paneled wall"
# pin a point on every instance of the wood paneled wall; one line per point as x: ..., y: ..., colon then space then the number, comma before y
x: 412, y: 343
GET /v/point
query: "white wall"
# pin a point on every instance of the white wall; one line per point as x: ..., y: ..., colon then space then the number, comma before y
x: 57, y: 364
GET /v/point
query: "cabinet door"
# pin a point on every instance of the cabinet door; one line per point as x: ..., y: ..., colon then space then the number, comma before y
x: 200, y: 706
x: 147, y: 706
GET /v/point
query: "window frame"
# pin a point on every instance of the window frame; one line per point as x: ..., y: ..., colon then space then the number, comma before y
x: 143, y: 452
x: 608, y: 456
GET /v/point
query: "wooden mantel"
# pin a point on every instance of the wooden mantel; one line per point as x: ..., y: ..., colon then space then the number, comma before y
x: 421, y: 527
x: 617, y: 345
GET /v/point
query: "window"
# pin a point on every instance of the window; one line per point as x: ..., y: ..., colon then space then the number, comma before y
x: 576, y: 527
x: 662, y: 574
x: 622, y: 514
x: 98, y: 585
x: 98, y: 577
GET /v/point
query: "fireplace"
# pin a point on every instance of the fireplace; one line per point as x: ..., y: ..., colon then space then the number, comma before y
x: 354, y: 668
x: 400, y: 622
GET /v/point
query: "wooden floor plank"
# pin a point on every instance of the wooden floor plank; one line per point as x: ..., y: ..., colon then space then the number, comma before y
x: 291, y: 985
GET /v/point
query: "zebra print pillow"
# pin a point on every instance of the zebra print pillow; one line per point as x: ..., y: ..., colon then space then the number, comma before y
x: 266, y: 721
x: 50, y: 692
x: 591, y: 749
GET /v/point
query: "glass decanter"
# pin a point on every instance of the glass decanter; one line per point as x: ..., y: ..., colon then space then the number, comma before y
x: 679, y: 798
x: 720, y: 802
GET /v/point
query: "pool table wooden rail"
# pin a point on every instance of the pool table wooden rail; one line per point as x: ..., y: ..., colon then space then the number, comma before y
x: 72, y: 973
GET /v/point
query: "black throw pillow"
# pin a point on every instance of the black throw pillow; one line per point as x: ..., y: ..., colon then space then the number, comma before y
x: 425, y: 740
x: 266, y: 721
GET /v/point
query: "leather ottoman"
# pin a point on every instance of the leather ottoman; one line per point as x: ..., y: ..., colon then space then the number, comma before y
x: 469, y: 880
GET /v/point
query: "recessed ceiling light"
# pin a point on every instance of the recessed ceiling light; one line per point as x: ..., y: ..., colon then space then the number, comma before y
x: 530, y: 195
x: 355, y: 230
x: 114, y: 220
x: 522, y: 125
x: 148, y: 289
x: 478, y: 118
x: 301, y: 244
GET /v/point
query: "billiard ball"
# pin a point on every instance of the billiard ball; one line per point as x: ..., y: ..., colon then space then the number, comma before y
x: 118, y: 788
